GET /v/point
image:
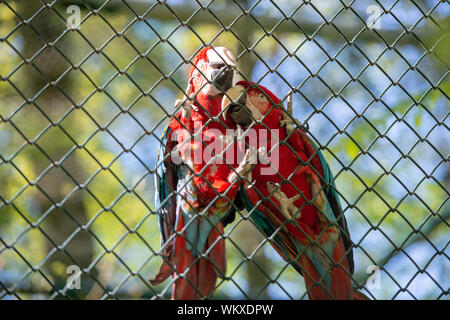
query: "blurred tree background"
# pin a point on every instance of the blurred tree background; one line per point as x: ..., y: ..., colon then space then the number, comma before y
x: 82, y: 110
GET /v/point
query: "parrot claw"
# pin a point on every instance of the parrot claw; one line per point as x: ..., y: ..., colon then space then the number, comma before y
x: 289, y: 121
x: 288, y: 209
x: 244, y: 170
x: 186, y: 107
x: 251, y: 185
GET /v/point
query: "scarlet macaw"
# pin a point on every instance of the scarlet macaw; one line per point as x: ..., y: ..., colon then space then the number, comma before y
x: 191, y: 214
x: 292, y: 197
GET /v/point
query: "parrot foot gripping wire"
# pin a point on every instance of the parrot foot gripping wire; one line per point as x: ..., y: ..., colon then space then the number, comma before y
x: 289, y: 121
x: 187, y: 105
x: 244, y: 170
x: 287, y: 207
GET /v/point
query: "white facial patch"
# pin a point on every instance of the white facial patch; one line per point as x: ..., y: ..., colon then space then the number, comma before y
x: 220, y: 55
x: 255, y: 111
x: 210, y: 89
x: 233, y: 94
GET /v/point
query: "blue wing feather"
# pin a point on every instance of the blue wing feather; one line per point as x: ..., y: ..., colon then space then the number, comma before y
x: 165, y: 183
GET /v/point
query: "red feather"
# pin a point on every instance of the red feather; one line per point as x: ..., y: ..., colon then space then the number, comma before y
x: 210, y: 180
x: 298, y: 166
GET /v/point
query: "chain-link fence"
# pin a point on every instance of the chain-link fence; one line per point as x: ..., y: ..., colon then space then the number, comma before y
x: 87, y: 87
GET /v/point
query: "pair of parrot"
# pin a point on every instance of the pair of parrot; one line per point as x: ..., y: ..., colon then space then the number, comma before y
x: 291, y: 197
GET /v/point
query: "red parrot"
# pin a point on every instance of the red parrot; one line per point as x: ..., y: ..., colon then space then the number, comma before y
x: 189, y: 178
x: 292, y: 197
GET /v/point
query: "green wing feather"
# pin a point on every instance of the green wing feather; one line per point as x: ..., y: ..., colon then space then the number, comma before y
x: 166, y: 179
x: 335, y: 203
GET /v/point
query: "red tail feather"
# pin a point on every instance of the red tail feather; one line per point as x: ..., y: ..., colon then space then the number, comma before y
x: 200, y: 279
x: 179, y: 246
x: 207, y: 277
x: 317, y: 290
x: 341, y: 282
x: 184, y: 287
x: 217, y: 254
x: 357, y: 295
x: 340, y: 288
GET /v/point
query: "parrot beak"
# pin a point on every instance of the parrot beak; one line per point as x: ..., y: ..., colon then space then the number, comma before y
x: 234, y: 105
x: 231, y: 98
x: 221, y: 63
x: 223, y: 78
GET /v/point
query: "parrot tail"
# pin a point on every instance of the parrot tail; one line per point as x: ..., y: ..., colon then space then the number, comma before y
x: 357, y: 295
x: 339, y: 287
x: 196, y: 277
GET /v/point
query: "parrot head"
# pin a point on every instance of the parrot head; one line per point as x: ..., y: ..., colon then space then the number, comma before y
x: 212, y: 72
x: 247, y: 102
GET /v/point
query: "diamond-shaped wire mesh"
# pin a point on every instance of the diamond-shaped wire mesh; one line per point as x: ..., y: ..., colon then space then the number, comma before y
x: 83, y: 105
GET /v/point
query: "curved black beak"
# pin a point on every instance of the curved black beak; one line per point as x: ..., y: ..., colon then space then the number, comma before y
x: 240, y: 114
x: 222, y: 78
x: 234, y: 106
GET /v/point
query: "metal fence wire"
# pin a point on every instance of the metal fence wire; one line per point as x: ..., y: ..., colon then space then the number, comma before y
x: 87, y: 87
